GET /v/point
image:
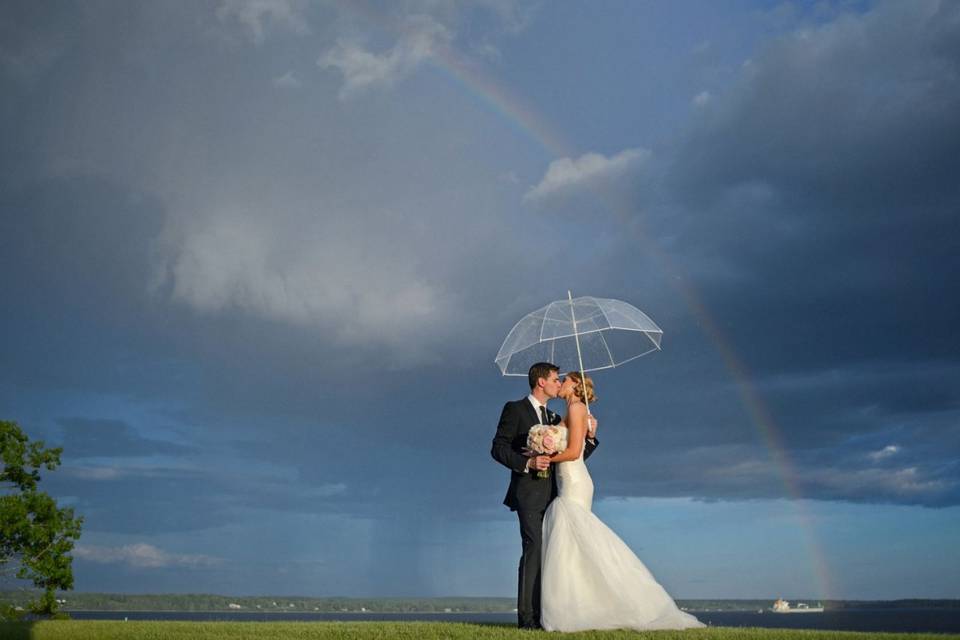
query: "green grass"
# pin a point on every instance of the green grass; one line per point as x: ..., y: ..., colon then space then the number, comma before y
x: 143, y: 630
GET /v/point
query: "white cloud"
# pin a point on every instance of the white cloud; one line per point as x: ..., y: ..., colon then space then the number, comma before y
x: 702, y: 99
x: 420, y: 38
x: 908, y: 482
x: 289, y: 80
x: 591, y: 170
x: 509, y: 177
x: 328, y: 490
x: 257, y: 16
x: 886, y: 452
x: 759, y: 470
x: 141, y: 555
x: 94, y: 473
x: 357, y: 286
x: 702, y: 48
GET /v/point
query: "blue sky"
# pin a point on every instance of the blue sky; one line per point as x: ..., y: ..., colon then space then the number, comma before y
x: 258, y: 258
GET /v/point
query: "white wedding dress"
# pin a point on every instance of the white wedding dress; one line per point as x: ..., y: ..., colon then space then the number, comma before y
x: 591, y: 579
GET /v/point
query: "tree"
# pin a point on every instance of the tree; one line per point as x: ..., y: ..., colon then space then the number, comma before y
x: 36, y: 536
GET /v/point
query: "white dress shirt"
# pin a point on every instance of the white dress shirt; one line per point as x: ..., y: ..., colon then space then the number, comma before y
x: 536, y: 409
x: 536, y: 406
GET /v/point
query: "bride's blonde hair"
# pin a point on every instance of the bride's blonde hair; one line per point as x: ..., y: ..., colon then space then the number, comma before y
x: 578, y: 389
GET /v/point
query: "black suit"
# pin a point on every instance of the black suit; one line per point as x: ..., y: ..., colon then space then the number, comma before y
x: 529, y: 496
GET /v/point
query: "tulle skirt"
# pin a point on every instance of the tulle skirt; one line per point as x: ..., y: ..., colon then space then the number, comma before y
x: 592, y: 580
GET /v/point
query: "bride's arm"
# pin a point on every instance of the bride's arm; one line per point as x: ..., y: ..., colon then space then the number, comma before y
x: 576, y: 430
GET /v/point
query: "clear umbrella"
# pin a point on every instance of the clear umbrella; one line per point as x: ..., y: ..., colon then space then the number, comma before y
x: 579, y: 334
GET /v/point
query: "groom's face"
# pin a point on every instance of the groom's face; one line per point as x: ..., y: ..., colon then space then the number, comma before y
x: 551, y: 384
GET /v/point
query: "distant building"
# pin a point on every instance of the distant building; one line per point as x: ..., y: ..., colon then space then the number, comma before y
x: 234, y: 605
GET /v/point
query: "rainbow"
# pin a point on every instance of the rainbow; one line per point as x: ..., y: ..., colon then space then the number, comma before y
x: 523, y: 118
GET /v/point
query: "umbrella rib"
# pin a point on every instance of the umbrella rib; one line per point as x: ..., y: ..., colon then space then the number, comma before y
x: 589, y: 369
x: 639, y: 355
x: 583, y: 333
x: 613, y: 326
x: 607, y: 347
x: 609, y: 324
x: 543, y: 320
x: 517, y: 324
x: 594, y: 314
x: 605, y: 316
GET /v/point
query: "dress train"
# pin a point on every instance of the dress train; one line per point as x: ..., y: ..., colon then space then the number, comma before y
x: 591, y: 579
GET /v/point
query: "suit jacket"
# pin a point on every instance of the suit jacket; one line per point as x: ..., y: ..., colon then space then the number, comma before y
x: 526, y: 489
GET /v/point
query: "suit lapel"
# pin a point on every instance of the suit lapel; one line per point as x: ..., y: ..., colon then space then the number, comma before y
x: 531, y: 413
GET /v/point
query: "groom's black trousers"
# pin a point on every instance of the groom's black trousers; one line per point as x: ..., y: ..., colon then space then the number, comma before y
x: 528, y: 589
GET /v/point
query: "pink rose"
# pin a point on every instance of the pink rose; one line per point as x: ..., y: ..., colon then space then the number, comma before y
x: 548, y: 442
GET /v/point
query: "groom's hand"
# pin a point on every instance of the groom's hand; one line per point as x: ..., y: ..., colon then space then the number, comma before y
x: 538, y: 463
x: 591, y: 426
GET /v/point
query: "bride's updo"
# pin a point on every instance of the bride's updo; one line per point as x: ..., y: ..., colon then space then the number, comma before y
x: 576, y: 377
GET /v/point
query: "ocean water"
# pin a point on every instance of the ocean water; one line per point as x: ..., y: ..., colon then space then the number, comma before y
x: 901, y: 620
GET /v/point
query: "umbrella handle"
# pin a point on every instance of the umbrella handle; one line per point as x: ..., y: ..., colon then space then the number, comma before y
x: 583, y: 375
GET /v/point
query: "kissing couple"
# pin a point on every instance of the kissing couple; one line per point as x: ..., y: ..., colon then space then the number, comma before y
x: 575, y: 573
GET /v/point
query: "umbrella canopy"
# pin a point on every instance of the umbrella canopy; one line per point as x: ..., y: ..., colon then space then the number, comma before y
x: 599, y: 332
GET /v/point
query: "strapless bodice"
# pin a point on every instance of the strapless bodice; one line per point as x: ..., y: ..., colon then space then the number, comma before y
x: 574, y: 483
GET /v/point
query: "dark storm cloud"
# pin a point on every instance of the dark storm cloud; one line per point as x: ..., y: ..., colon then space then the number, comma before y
x: 194, y: 495
x: 823, y: 112
x: 824, y: 181
x: 76, y: 256
x: 828, y: 437
x: 32, y: 37
x: 812, y: 205
x: 146, y: 502
x: 83, y: 438
x: 77, y: 242
x: 916, y: 476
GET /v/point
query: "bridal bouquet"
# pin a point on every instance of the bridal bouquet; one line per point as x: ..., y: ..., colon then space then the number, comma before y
x: 546, y: 440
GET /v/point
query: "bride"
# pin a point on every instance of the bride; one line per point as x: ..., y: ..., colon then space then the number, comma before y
x: 591, y: 579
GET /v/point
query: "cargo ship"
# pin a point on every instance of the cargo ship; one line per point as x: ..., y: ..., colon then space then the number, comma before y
x: 782, y: 606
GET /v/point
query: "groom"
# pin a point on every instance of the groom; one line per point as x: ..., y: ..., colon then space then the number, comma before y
x: 528, y: 494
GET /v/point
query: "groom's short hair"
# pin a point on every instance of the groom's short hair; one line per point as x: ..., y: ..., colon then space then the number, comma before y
x: 540, y: 370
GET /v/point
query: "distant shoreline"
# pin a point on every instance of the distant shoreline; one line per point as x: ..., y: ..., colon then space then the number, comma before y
x: 293, y: 612
x: 91, y: 602
x: 299, y: 612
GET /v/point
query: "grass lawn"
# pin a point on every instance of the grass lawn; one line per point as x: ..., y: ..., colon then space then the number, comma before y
x: 110, y: 630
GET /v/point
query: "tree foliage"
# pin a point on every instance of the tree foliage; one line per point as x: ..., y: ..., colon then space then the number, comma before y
x: 36, y: 536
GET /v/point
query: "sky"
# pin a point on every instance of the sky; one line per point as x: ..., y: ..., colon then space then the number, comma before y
x: 258, y: 257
